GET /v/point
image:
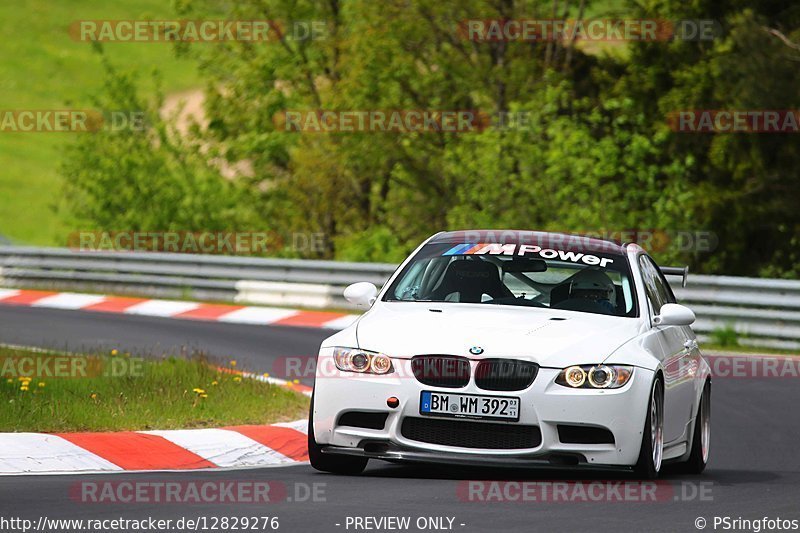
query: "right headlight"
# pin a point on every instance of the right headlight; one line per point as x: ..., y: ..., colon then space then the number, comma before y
x: 595, y: 376
x: 362, y: 361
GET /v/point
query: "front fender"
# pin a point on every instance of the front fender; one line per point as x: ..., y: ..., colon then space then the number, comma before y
x: 641, y: 351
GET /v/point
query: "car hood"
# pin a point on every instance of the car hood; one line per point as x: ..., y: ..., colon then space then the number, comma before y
x: 550, y: 338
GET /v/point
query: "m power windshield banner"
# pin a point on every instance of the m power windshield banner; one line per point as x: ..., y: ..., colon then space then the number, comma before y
x: 527, y: 250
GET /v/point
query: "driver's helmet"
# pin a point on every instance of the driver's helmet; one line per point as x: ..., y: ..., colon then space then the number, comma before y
x: 592, y: 284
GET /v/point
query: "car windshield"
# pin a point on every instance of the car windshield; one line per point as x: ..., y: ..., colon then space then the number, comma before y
x: 507, y: 274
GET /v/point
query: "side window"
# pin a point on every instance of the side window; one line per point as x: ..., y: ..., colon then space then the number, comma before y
x: 409, y: 287
x: 651, y: 285
x: 661, y: 284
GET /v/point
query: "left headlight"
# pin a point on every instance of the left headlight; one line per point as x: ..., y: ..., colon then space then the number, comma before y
x: 362, y: 361
x: 595, y: 376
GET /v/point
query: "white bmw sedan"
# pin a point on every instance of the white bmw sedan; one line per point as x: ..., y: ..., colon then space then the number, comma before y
x: 515, y: 348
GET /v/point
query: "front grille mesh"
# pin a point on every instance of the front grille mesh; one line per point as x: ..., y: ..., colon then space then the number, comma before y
x: 448, y: 371
x: 466, y: 434
x: 505, y: 374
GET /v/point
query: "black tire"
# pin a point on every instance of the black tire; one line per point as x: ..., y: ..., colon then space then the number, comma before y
x: 335, y: 464
x: 649, y: 463
x: 698, y: 457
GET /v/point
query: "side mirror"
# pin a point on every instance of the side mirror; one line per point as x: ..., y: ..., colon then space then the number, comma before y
x: 362, y: 293
x: 674, y: 315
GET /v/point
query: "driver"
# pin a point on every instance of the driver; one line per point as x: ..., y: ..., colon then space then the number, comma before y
x: 594, y: 285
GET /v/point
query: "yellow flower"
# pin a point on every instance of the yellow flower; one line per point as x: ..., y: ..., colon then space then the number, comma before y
x: 24, y: 387
x: 199, y: 391
x: 24, y: 378
x: 214, y: 382
x: 237, y: 379
x: 41, y: 384
x: 93, y: 396
x: 296, y: 381
x: 114, y: 351
x: 266, y: 374
x: 233, y: 363
x: 204, y: 395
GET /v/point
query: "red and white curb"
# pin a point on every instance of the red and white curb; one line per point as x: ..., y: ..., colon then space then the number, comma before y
x: 186, y: 449
x: 234, y: 314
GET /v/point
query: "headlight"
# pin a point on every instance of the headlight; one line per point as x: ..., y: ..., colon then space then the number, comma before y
x: 600, y: 377
x: 595, y: 376
x: 362, y: 361
x: 575, y: 376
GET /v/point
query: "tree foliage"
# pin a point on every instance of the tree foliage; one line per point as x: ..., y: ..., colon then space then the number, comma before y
x: 147, y: 177
x: 597, y: 154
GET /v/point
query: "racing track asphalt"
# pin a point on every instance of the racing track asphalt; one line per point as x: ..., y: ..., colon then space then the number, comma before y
x: 255, y: 348
x: 754, y: 470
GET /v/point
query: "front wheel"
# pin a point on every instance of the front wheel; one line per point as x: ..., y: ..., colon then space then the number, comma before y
x: 335, y: 464
x: 652, y: 449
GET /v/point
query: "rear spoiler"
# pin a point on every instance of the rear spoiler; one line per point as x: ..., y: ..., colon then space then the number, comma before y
x: 683, y: 272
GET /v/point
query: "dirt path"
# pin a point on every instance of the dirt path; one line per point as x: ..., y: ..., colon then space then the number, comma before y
x: 188, y: 105
x: 189, y: 108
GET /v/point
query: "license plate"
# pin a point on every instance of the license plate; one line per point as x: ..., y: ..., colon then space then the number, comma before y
x: 469, y: 406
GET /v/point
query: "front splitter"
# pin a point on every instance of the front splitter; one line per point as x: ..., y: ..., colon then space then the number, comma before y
x: 394, y: 453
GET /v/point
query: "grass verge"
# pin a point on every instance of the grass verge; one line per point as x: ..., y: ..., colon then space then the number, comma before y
x: 44, y: 68
x: 743, y: 349
x: 117, y: 392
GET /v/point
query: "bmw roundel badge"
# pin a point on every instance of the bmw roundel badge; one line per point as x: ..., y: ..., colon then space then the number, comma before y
x: 476, y: 350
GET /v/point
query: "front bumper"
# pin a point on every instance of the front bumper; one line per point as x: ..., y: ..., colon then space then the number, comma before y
x: 394, y: 453
x: 544, y: 404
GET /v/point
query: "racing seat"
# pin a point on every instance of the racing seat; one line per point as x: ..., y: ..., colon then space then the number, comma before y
x: 471, y: 279
x: 559, y: 293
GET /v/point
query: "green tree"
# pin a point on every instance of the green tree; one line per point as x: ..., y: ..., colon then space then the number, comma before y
x: 148, y: 177
x: 745, y: 187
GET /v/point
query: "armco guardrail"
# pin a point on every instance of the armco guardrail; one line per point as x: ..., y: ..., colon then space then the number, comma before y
x: 766, y: 312
x: 288, y: 282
